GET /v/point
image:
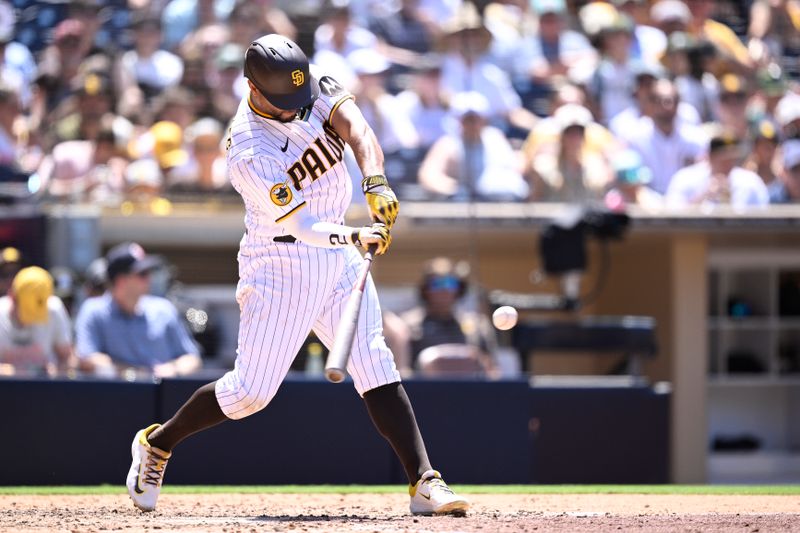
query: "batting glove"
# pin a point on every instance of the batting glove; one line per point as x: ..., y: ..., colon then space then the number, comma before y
x: 382, y: 202
x: 377, y: 234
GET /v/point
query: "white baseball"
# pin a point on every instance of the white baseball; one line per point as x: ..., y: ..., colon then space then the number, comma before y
x: 505, y: 317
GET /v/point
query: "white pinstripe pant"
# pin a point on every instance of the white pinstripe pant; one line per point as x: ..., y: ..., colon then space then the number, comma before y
x: 283, y: 293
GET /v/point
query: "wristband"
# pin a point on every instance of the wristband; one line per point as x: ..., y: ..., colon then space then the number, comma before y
x: 354, y: 237
x: 370, y: 182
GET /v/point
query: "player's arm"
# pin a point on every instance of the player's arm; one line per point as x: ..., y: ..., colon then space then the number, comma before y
x: 352, y: 127
x: 310, y: 230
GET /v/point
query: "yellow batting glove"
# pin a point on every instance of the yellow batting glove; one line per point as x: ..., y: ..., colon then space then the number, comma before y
x: 382, y: 202
x: 377, y: 234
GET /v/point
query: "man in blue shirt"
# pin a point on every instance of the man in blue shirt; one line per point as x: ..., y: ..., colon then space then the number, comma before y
x: 127, y: 328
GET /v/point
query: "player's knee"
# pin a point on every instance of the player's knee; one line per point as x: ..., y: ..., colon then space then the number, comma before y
x: 251, y: 399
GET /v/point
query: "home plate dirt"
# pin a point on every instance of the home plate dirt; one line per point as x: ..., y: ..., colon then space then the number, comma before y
x: 388, y: 513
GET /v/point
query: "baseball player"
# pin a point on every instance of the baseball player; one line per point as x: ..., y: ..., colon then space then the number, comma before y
x: 297, y: 265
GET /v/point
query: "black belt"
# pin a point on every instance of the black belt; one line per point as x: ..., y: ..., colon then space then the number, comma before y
x: 284, y: 238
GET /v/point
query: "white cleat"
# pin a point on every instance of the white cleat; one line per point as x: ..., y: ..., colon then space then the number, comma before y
x: 147, y: 470
x: 431, y: 495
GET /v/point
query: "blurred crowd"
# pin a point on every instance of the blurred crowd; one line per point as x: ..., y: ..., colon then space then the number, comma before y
x: 660, y: 103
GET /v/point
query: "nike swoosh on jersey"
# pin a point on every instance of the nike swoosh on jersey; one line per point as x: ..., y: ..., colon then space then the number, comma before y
x: 286, y: 145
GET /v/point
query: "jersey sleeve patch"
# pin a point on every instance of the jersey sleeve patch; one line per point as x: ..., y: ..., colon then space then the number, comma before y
x: 281, y: 194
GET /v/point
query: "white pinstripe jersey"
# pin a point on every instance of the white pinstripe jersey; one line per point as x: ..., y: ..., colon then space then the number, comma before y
x: 279, y: 167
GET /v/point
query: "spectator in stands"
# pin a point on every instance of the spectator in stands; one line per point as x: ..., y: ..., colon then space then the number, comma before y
x: 181, y: 17
x: 466, y: 67
x: 545, y: 137
x: 688, y: 62
x: 644, y: 80
x: 573, y: 173
x: 405, y: 34
x: 12, y: 149
x: 762, y: 157
x: 85, y: 170
x: 17, y: 65
x: 630, y: 186
x: 476, y: 162
x: 423, y: 101
x: 176, y: 104
x: 96, y: 278
x: 205, y: 170
x: 339, y: 36
x: 774, y: 30
x: 160, y: 151
x: 557, y: 51
x: 126, y: 328
x: 248, y: 21
x: 718, y: 181
x: 442, y: 332
x: 612, y: 83
x: 80, y: 117
x: 648, y: 43
x: 146, y: 70
x: 665, y: 143
x: 59, y: 62
x: 670, y: 16
x: 731, y: 53
x: 787, y: 189
x: 771, y: 87
x: 10, y: 264
x: 88, y: 13
x: 35, y: 330
x: 787, y: 113
x: 395, y: 131
x: 732, y: 111
x: 228, y: 81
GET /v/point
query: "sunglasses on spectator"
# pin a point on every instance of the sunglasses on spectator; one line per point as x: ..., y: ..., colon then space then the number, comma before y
x: 662, y: 101
x: 444, y: 283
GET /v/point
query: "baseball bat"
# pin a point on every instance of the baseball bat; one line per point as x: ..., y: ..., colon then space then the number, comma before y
x: 336, y: 364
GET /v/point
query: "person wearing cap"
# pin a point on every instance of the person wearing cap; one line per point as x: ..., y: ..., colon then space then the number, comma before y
x: 718, y: 180
x: 205, y: 169
x: 787, y: 114
x: 10, y: 264
x: 339, y: 35
x: 734, y: 95
x: 128, y: 328
x: 475, y: 162
x: 466, y: 67
x: 762, y: 157
x: 631, y: 178
x: 670, y: 16
x: 612, y: 83
x: 35, y: 330
x: 787, y: 189
x: 665, y: 143
x: 572, y: 173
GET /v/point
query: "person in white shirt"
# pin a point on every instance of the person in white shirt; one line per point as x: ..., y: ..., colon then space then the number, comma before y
x: 148, y: 69
x: 475, y: 163
x: 718, y: 181
x: 665, y: 143
x: 628, y: 120
x: 35, y: 330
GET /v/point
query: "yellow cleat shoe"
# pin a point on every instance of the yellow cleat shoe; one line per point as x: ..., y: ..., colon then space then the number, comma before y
x: 431, y: 496
x: 147, y: 470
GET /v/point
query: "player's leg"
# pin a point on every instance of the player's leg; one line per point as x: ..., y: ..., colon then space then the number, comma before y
x: 377, y: 380
x: 276, y: 314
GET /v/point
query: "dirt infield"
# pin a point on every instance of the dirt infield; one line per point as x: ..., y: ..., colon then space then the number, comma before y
x: 387, y: 513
